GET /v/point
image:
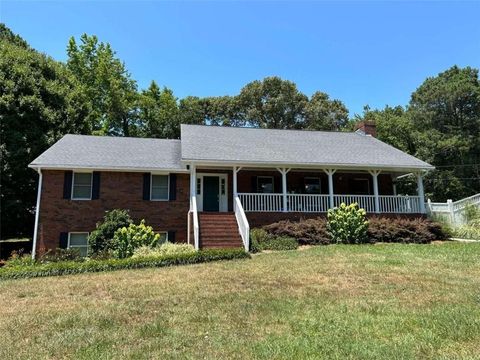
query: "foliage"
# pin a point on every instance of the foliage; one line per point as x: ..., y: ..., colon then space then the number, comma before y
x: 164, y: 249
x: 76, y: 267
x: 347, y: 224
x: 305, y: 231
x: 471, y: 213
x: 467, y: 231
x: 60, y: 255
x: 321, y: 113
x: 100, y: 239
x: 18, y: 259
x: 40, y: 101
x: 110, y: 92
x: 279, y: 243
x: 127, y: 239
x: 405, y: 230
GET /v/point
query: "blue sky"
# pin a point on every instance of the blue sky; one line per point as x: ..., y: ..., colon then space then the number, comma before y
x: 373, y: 53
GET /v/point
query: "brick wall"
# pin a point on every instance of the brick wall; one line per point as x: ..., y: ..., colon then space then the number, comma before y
x: 117, y: 190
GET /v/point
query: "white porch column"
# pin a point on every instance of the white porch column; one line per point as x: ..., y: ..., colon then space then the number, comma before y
x: 420, y: 191
x: 193, y: 180
x: 330, y: 173
x: 37, y: 213
x: 284, y: 172
x: 375, y: 174
x: 236, y: 169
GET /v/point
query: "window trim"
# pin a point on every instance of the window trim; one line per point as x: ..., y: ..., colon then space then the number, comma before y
x: 78, y: 232
x: 73, y: 183
x: 319, y: 184
x: 168, y: 186
x: 266, y: 177
x: 164, y: 232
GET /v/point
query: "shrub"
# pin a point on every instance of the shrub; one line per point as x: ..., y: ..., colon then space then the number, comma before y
x: 164, y: 249
x: 61, y: 255
x: 468, y: 231
x: 404, y: 230
x: 305, y: 231
x: 17, y: 258
x: 126, y: 240
x: 347, y: 224
x: 279, y: 243
x: 100, y: 239
x: 75, y: 267
x: 471, y: 212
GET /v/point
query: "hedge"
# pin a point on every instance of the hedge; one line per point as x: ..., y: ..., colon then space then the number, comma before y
x: 76, y: 267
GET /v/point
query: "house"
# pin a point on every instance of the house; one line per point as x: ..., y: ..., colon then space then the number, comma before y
x: 215, y: 183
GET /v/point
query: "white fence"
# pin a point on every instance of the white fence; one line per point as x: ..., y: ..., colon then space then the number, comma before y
x: 452, y: 211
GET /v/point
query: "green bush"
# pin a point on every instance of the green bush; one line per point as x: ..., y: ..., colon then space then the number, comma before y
x: 100, y: 239
x: 471, y: 213
x: 279, y: 243
x: 89, y: 265
x: 126, y: 240
x: 61, y: 255
x: 468, y: 231
x: 164, y: 249
x: 305, y: 231
x: 347, y: 224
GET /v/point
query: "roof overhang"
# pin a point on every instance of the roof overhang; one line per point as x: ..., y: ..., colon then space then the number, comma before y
x: 103, y: 168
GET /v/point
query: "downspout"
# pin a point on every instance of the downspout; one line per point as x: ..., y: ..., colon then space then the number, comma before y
x: 37, y: 213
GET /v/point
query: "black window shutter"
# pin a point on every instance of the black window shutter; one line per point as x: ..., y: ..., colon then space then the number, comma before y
x: 254, y: 184
x: 173, y: 187
x: 63, y: 243
x: 67, y: 185
x: 146, y: 186
x: 171, y: 236
x: 96, y: 185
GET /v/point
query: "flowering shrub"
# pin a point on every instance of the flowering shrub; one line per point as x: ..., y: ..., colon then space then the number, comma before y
x: 347, y: 224
x: 126, y: 240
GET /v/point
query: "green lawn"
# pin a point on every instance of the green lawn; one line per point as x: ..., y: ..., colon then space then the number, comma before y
x: 368, y: 301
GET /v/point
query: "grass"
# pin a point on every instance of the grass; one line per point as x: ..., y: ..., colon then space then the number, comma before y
x: 365, y: 302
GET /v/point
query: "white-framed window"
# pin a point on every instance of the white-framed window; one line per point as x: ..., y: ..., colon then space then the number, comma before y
x: 265, y: 184
x: 312, y: 185
x: 159, y: 187
x: 163, y: 237
x: 82, y: 186
x: 78, y: 240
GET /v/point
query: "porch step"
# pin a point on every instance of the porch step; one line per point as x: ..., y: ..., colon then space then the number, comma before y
x: 219, y: 230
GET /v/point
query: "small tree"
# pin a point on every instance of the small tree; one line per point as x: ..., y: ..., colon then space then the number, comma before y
x: 101, y: 238
x: 347, y: 224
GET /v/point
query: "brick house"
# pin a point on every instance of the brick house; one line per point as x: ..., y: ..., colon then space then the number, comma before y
x: 215, y: 183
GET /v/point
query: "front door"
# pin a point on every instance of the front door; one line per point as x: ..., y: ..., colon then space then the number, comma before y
x: 210, y: 193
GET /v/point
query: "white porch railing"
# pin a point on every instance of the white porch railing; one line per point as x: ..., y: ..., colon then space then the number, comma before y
x: 399, y: 204
x: 307, y: 202
x: 321, y: 203
x: 261, y: 202
x: 366, y: 202
x: 243, y: 226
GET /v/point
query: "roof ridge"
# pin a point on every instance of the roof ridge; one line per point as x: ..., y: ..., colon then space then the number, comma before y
x: 268, y: 129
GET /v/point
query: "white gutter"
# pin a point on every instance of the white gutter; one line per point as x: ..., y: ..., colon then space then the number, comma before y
x: 37, y: 213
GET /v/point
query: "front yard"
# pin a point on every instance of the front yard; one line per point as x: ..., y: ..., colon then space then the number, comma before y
x: 339, y: 301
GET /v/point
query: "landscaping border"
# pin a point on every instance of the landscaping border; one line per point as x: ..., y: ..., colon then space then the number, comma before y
x: 75, y: 267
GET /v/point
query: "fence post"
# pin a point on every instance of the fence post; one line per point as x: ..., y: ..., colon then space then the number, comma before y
x: 450, y: 211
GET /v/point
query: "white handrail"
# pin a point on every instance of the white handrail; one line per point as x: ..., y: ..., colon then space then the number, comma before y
x: 193, y: 209
x: 242, y: 221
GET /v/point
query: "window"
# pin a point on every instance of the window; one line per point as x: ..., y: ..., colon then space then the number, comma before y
x: 199, y: 186
x: 163, y: 237
x: 312, y: 185
x: 360, y: 186
x: 82, y: 186
x: 159, y: 187
x: 78, y: 241
x: 222, y: 186
x: 265, y: 184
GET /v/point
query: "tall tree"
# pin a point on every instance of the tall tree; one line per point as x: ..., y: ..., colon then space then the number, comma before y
x: 273, y: 103
x: 321, y: 113
x: 107, y: 84
x: 158, y: 112
x: 40, y: 101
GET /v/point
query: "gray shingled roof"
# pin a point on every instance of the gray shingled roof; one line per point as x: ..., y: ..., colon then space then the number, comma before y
x: 266, y: 146
x: 105, y: 152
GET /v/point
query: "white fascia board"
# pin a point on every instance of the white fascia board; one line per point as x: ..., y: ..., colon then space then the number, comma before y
x: 115, y: 169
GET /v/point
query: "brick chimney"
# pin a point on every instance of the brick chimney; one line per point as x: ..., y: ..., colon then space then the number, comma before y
x: 366, y: 128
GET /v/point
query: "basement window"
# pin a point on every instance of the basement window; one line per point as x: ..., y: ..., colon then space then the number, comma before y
x: 78, y: 240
